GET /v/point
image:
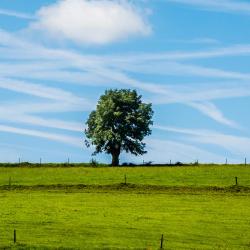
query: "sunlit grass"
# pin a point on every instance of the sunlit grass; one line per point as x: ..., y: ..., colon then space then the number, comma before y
x: 169, y: 176
x: 125, y: 220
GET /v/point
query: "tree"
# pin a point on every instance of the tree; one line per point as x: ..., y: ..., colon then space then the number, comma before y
x: 119, y: 123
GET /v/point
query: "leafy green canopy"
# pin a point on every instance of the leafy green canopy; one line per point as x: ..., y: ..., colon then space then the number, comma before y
x: 120, y: 122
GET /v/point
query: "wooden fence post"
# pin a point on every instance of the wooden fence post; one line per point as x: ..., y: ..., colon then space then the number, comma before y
x: 14, y: 236
x: 236, y: 181
x: 162, y: 241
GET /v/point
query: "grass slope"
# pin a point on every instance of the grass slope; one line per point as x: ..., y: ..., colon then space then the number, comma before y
x: 220, y: 176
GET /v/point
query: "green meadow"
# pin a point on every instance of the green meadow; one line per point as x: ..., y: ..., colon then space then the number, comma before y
x: 166, y: 176
x: 194, y: 207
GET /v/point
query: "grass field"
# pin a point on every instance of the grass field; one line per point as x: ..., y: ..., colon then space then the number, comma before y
x: 168, y: 176
x: 115, y: 216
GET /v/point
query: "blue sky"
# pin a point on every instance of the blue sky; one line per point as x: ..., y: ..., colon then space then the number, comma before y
x: 190, y: 58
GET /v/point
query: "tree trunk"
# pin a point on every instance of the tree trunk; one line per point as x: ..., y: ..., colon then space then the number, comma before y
x: 115, y: 158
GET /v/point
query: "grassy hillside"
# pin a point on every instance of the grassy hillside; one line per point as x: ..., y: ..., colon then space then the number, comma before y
x: 168, y: 176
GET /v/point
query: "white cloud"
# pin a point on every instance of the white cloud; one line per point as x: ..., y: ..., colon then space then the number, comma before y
x: 91, y: 22
x: 218, y: 5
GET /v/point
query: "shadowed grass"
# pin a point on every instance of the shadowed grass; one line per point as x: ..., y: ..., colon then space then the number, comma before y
x: 133, y: 188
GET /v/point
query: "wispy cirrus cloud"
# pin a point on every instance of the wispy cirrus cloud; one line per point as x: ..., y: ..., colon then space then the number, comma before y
x: 213, y: 112
x: 54, y: 63
x: 225, y: 51
x: 236, y: 145
x: 202, y: 92
x: 17, y: 14
x: 231, y: 6
x: 74, y: 141
x: 24, y: 118
x: 41, y: 91
x: 182, y: 69
x: 99, y: 67
x: 200, y: 40
x: 178, y: 151
x: 41, y: 107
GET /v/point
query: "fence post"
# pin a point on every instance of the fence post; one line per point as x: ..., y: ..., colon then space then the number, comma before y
x: 162, y: 241
x: 14, y: 236
x: 236, y: 181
